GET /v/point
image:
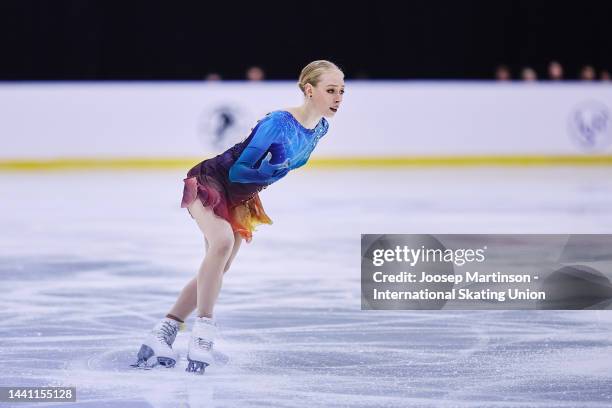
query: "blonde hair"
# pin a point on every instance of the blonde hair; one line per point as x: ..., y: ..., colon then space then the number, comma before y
x: 311, y: 73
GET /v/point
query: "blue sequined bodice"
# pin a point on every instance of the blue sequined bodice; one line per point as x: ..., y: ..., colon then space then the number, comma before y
x: 277, y: 144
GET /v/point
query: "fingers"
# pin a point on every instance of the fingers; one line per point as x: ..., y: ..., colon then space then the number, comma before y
x: 281, y: 172
x: 274, y: 170
x: 279, y: 166
x: 282, y: 165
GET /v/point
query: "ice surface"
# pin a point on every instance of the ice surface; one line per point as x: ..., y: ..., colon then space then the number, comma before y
x: 89, y: 261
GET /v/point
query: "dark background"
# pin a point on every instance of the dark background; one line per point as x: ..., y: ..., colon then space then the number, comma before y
x: 433, y: 39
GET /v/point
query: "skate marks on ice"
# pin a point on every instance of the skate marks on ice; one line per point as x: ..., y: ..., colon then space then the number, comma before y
x: 79, y: 323
x: 317, y: 354
x: 78, y: 331
x: 509, y: 359
x: 294, y: 330
x: 106, y: 374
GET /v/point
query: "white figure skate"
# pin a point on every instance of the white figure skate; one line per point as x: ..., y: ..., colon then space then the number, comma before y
x: 199, y: 354
x: 157, y: 347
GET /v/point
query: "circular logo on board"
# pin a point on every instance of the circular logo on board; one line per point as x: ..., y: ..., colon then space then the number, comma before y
x: 590, y: 126
x: 223, y: 125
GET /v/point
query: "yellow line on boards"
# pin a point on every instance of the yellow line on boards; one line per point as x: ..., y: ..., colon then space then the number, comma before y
x: 95, y: 164
x: 457, y: 161
x: 329, y: 162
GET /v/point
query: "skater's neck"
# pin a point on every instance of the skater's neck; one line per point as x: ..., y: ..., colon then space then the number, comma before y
x: 306, y: 115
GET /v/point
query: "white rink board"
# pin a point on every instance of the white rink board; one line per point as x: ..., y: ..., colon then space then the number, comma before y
x: 377, y: 118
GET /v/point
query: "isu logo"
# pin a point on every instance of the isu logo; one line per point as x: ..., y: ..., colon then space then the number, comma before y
x: 590, y: 126
x: 221, y: 126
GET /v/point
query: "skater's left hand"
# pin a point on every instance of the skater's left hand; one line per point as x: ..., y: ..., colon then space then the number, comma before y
x: 273, y: 170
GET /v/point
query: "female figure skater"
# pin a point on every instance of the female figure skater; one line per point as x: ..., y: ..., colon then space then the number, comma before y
x: 221, y: 194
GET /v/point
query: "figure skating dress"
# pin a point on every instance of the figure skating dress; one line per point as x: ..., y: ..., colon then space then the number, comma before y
x: 230, y: 182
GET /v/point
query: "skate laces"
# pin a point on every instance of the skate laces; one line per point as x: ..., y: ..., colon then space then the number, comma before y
x: 204, y: 327
x: 203, y: 343
x: 167, y: 333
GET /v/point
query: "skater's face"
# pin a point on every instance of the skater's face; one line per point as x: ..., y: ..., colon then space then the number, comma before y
x: 327, y: 95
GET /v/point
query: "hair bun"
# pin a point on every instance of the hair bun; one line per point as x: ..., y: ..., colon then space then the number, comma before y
x: 312, y: 72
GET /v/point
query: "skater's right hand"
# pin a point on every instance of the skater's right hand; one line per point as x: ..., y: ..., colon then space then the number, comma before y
x: 273, y: 170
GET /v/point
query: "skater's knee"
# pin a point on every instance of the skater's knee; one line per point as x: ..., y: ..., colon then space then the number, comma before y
x: 237, y: 242
x: 221, y: 245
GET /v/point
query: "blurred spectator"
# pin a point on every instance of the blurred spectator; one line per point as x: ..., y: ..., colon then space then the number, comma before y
x: 255, y: 73
x: 587, y: 73
x: 212, y: 76
x: 604, y: 75
x: 529, y: 74
x: 502, y: 73
x: 555, y: 71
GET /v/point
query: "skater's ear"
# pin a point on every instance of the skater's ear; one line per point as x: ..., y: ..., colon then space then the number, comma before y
x: 308, y: 89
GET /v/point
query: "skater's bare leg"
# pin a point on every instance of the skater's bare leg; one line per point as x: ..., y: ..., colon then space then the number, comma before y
x: 221, y: 241
x: 187, y: 300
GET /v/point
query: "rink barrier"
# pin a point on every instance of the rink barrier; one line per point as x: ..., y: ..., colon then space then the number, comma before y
x: 327, y: 163
x: 419, y: 123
